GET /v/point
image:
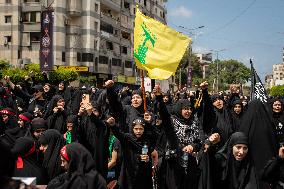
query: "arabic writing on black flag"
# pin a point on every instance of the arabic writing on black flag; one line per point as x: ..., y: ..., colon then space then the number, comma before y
x: 257, y: 89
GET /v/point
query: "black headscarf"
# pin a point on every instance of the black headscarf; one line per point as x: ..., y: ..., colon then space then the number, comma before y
x: 26, y: 164
x: 52, y: 161
x: 236, y: 118
x: 81, y: 172
x: 52, y: 104
x: 236, y: 174
x: 56, y: 120
x: 181, y: 104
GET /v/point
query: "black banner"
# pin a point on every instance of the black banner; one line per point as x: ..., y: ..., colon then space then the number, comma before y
x: 257, y: 89
x: 46, y: 41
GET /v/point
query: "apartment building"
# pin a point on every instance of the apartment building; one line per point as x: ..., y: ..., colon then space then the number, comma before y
x: 93, y: 33
x: 204, y: 60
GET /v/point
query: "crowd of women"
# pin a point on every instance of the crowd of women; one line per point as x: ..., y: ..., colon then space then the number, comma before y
x: 109, y: 138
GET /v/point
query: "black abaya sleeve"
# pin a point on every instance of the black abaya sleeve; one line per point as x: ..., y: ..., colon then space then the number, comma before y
x: 166, y: 119
x: 271, y: 171
x: 208, y: 115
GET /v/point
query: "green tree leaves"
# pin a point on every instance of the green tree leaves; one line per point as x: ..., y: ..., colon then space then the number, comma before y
x: 33, y: 70
x: 277, y: 91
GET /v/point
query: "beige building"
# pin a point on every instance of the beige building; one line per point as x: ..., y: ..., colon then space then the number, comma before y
x: 93, y: 33
x: 204, y: 60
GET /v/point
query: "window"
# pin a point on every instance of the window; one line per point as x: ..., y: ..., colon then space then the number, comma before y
x: 96, y: 44
x: 116, y: 62
x: 128, y: 64
x: 8, y: 1
x: 109, y: 45
x: 8, y: 19
x: 79, y: 57
x: 96, y: 7
x: 96, y: 26
x: 63, y: 56
x: 35, y: 36
x: 145, y: 2
x: 7, y: 39
x: 115, y: 32
x: 123, y: 50
x: 87, y: 57
x: 31, y: 1
x: 156, y: 10
x: 106, y: 27
x: 126, y: 5
x: 125, y: 35
x: 103, y: 60
x: 33, y: 17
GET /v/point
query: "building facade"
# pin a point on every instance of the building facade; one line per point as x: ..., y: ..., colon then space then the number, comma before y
x: 93, y: 33
x: 204, y: 60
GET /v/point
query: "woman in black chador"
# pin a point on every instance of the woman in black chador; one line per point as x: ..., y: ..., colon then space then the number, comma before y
x: 181, y: 169
x: 26, y: 164
x: 136, y: 170
x: 234, y: 164
x: 56, y: 114
x: 22, y: 129
x: 51, y: 142
x: 80, y: 167
x: 93, y: 134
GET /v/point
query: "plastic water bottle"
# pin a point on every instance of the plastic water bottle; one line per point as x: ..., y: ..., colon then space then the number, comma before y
x: 184, y: 160
x: 145, y: 149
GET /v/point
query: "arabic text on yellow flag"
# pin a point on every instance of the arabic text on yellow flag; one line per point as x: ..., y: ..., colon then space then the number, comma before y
x: 157, y: 48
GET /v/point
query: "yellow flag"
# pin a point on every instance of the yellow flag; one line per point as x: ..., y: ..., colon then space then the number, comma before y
x: 157, y: 48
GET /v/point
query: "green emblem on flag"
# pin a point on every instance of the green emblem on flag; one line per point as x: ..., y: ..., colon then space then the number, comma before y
x: 142, y: 50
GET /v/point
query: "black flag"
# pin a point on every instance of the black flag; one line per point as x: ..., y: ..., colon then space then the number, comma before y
x: 257, y: 90
x: 46, y: 42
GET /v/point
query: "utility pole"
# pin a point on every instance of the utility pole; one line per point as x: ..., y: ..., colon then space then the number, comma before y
x: 217, y: 67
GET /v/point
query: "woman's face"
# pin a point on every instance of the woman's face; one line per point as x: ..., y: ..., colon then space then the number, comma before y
x: 277, y: 106
x: 5, y: 118
x: 69, y: 126
x: 138, y: 130
x: 21, y: 122
x: 136, y: 100
x: 240, y: 151
x: 61, y: 102
x: 61, y: 86
x: 237, y: 108
x: 166, y: 99
x: 186, y: 112
x: 64, y: 163
x: 218, y: 103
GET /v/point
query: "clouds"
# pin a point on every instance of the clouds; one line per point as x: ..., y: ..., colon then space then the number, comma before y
x: 181, y: 12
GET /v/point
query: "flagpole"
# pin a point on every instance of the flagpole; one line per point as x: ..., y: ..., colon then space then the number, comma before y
x: 143, y: 90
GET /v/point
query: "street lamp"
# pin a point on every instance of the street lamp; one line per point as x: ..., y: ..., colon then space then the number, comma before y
x: 217, y: 67
x: 189, y: 30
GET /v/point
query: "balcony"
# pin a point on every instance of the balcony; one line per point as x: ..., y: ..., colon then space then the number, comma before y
x: 31, y: 27
x: 73, y: 30
x: 113, y: 4
x: 74, y: 7
x: 31, y: 7
x: 110, y: 37
x: 110, y: 19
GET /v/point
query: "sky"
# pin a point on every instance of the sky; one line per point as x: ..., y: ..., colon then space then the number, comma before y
x: 237, y: 29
